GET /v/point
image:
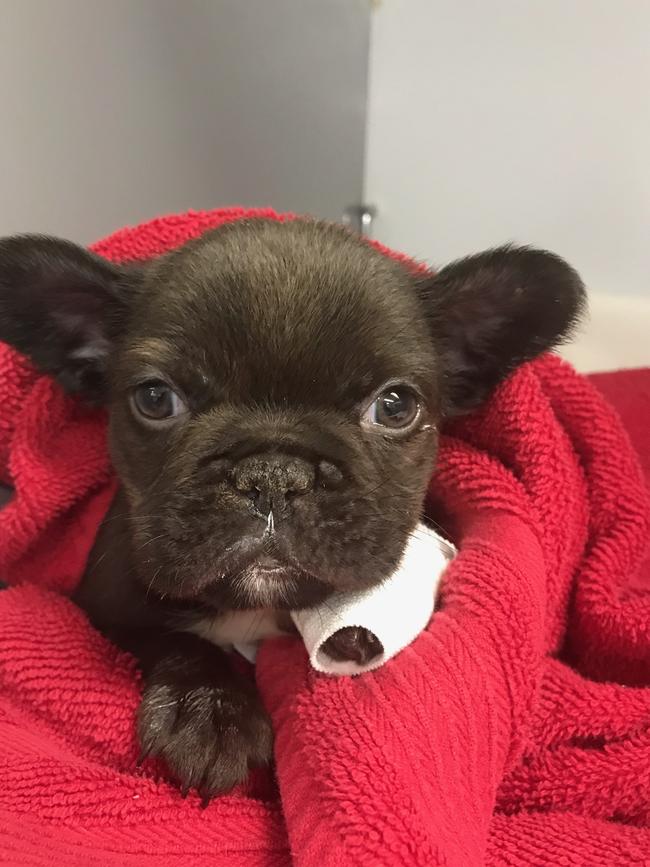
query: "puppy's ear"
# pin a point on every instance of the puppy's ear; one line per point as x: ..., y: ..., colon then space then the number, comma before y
x: 62, y: 306
x: 491, y: 312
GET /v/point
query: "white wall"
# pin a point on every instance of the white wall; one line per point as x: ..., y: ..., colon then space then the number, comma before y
x: 113, y: 112
x: 525, y: 120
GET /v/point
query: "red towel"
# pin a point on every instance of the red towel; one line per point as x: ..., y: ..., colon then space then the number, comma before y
x: 514, y: 731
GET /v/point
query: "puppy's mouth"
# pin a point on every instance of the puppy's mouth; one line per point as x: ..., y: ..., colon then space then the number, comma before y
x: 265, y: 579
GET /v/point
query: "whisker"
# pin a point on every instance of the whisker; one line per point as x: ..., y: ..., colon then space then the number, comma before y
x: 149, y: 541
x: 155, y: 575
x: 165, y: 704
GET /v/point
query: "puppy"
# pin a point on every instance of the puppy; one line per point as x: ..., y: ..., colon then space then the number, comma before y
x: 275, y: 394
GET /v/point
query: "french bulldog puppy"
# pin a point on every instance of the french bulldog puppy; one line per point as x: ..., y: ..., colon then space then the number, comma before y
x: 275, y: 392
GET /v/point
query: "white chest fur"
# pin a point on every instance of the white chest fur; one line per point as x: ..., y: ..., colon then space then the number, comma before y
x: 238, y: 627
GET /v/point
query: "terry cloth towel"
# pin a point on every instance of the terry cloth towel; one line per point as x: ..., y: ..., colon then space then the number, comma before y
x: 395, y: 612
x: 514, y: 731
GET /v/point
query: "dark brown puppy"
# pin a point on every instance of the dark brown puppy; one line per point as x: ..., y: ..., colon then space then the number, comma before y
x: 275, y: 392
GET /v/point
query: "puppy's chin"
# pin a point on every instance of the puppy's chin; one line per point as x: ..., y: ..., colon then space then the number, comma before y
x: 265, y: 584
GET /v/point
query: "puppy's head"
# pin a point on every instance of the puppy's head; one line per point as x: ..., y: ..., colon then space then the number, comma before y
x: 275, y: 391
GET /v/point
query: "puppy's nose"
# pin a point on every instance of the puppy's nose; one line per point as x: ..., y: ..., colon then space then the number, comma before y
x: 270, y: 481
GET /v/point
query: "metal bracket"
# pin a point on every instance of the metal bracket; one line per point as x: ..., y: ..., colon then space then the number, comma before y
x: 359, y: 218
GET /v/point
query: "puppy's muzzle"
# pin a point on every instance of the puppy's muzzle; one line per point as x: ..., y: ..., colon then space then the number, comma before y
x: 271, y: 482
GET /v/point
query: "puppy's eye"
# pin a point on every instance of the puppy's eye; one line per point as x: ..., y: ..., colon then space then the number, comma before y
x: 157, y: 401
x: 397, y: 408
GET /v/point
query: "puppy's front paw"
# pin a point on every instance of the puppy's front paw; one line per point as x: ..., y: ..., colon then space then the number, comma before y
x: 208, y: 735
